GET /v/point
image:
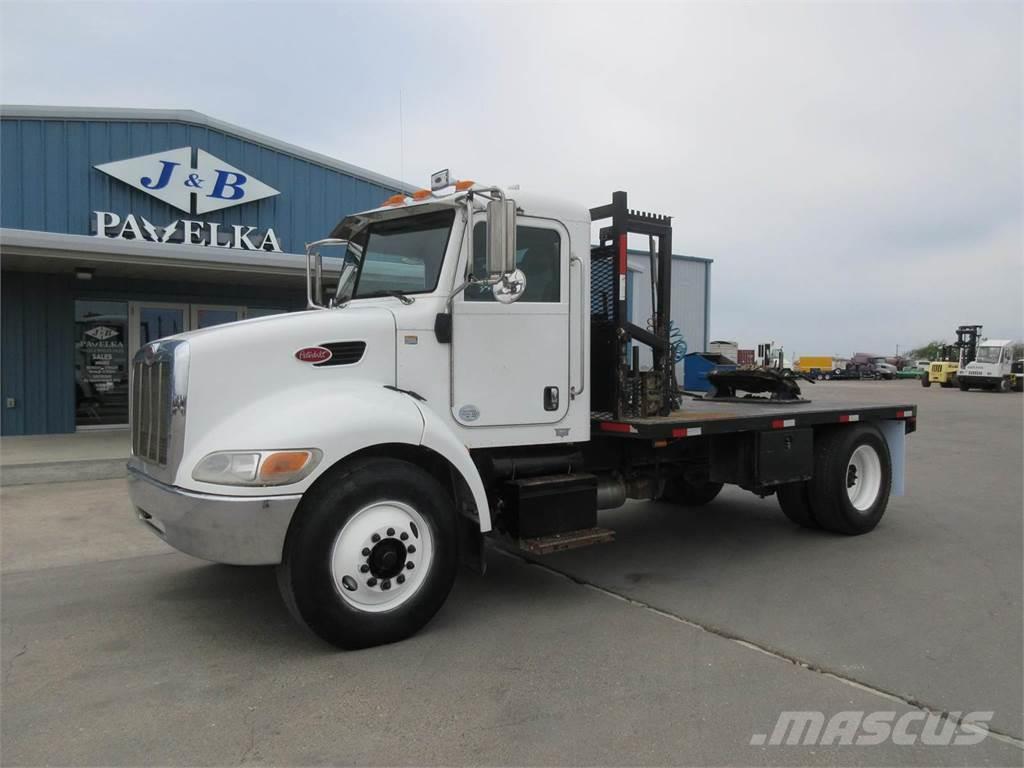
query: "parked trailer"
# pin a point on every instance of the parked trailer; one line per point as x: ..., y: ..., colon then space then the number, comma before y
x: 368, y: 445
x: 819, y: 366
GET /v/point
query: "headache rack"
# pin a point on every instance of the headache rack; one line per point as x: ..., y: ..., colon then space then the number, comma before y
x: 619, y: 387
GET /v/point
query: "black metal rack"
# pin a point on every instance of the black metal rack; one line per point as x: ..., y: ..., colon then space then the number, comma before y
x: 618, y: 386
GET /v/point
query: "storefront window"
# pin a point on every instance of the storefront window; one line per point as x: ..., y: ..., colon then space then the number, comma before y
x: 101, y: 363
x: 207, y: 316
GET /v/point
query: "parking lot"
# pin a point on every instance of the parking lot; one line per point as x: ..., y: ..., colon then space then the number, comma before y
x: 675, y: 644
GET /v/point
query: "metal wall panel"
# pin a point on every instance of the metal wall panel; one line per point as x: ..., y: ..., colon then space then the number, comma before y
x: 50, y: 183
x: 690, y: 300
x: 37, y: 335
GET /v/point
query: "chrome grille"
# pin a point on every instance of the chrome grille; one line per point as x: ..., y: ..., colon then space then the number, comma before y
x: 151, y: 409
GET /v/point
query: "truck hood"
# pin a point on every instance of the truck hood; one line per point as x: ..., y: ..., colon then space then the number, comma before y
x: 234, y: 365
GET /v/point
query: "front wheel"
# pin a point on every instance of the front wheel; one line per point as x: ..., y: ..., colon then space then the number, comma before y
x: 964, y: 386
x: 925, y: 381
x: 371, y: 555
x: 1004, y: 385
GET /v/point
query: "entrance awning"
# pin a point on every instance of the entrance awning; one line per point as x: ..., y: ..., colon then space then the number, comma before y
x: 32, y: 251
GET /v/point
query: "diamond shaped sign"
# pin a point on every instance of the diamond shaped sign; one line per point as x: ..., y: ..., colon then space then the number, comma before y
x: 169, y: 176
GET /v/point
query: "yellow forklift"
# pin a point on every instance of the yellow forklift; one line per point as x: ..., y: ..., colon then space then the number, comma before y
x: 953, y: 357
x: 942, y: 371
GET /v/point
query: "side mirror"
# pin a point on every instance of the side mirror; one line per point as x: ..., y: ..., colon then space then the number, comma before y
x: 501, y: 237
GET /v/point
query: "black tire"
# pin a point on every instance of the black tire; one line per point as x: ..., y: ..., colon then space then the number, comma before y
x: 833, y: 509
x: 795, y: 502
x: 947, y: 384
x: 305, y: 575
x: 1003, y: 386
x: 925, y: 381
x: 964, y: 386
x: 1019, y: 387
x: 688, y: 493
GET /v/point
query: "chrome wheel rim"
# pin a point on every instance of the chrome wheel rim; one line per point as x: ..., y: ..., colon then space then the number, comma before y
x: 381, y: 556
x: 864, y: 478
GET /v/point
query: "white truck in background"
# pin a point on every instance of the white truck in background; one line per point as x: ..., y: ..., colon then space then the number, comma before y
x: 468, y: 371
x: 991, y: 367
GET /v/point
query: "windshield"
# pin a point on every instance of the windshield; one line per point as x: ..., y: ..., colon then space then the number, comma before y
x: 988, y: 355
x: 396, y: 256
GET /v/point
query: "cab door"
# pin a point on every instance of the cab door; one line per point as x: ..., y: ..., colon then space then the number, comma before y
x: 510, y: 362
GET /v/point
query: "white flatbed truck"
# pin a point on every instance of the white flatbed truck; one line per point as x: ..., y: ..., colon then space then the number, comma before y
x: 467, y: 374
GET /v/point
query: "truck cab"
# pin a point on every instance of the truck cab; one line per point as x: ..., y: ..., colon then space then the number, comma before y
x: 991, y: 368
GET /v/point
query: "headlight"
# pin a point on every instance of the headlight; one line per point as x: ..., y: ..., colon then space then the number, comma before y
x: 256, y: 467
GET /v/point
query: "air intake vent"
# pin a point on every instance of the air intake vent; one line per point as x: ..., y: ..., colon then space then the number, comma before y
x: 343, y: 353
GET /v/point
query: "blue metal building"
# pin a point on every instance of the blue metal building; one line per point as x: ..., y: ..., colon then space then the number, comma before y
x: 190, y: 222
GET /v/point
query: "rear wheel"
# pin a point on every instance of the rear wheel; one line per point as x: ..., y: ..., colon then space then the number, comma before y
x: 852, y: 479
x: 371, y: 556
x: 691, y: 492
x: 795, y: 502
x: 1004, y: 385
x: 963, y: 385
x: 925, y: 381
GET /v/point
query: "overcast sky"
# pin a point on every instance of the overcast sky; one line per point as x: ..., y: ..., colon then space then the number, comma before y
x: 854, y: 170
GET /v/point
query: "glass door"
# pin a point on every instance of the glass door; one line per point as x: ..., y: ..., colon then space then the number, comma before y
x: 101, y: 363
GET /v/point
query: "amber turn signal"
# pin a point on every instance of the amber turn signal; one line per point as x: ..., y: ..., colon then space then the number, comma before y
x: 283, y: 463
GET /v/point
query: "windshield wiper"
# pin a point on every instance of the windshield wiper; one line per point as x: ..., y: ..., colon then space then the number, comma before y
x: 391, y: 292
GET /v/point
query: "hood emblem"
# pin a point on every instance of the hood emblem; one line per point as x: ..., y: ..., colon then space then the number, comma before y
x: 313, y: 355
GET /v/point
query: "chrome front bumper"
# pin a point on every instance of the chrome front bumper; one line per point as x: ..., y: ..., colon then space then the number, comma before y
x: 238, y: 530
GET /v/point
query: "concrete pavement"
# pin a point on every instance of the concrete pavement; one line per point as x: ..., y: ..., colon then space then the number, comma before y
x: 117, y: 650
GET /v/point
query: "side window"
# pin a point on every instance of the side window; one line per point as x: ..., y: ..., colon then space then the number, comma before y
x: 538, y: 254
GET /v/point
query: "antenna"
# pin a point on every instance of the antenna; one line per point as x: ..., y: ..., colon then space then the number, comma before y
x: 401, y: 139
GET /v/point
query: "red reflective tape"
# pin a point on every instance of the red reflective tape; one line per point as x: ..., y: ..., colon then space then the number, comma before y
x: 783, y: 423
x: 849, y: 417
x: 905, y: 415
x: 686, y: 432
x: 623, y: 261
x: 614, y: 426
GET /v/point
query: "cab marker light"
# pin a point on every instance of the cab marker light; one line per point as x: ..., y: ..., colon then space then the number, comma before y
x: 846, y: 417
x: 463, y: 185
x: 398, y: 199
x: 783, y: 423
x: 421, y: 194
x: 687, y: 432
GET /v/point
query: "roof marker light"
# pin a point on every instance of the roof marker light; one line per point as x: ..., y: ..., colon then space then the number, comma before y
x: 421, y: 194
x: 398, y: 199
x: 463, y: 185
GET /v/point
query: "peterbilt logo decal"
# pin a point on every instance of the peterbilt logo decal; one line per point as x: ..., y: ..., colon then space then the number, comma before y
x: 313, y: 355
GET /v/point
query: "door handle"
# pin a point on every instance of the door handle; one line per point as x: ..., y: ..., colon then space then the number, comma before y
x: 550, y: 398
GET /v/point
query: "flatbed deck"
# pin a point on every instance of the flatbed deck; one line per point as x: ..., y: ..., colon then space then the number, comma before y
x: 699, y: 417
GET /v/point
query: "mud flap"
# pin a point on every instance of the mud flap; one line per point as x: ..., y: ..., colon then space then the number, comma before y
x: 895, y: 435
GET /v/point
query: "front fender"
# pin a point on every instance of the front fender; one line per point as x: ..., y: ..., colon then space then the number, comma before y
x: 439, y: 437
x: 338, y: 418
